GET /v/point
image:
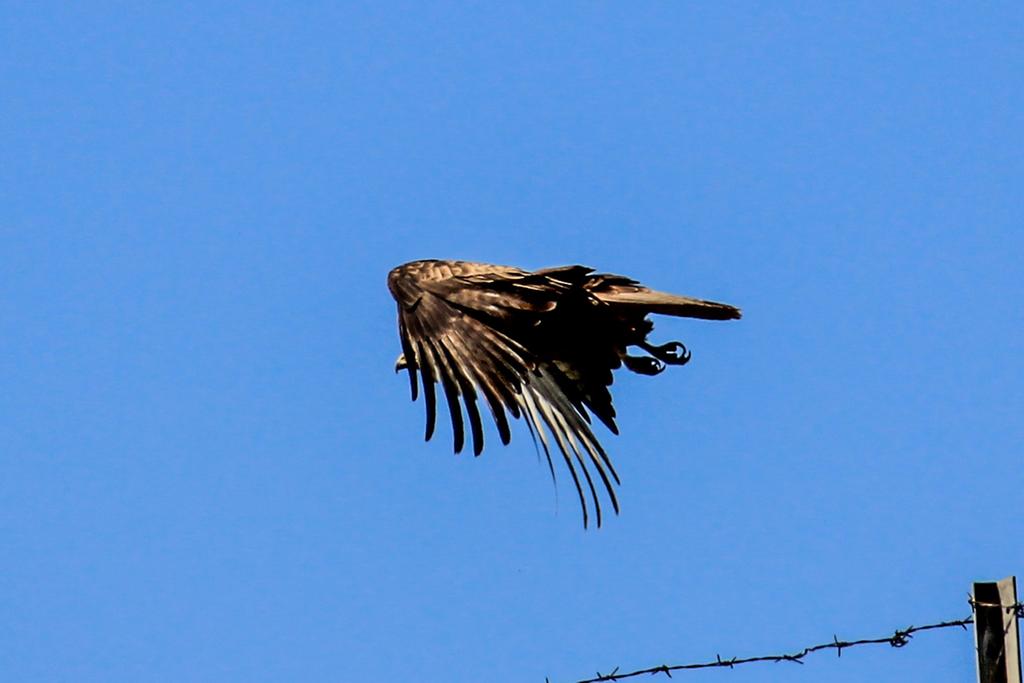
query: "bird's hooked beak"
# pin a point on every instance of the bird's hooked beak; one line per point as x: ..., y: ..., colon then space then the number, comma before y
x: 400, y: 363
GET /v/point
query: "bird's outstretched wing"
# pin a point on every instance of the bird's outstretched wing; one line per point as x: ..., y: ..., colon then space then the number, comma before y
x: 474, y: 332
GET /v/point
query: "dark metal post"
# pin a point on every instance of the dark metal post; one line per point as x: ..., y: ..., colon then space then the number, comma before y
x: 995, y: 631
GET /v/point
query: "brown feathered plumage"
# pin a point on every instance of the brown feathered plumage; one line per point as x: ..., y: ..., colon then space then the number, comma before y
x: 538, y: 344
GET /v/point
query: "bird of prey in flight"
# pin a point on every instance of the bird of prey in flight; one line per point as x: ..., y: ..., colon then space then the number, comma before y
x: 538, y: 344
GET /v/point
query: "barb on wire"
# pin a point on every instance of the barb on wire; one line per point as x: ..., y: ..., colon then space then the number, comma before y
x: 899, y: 638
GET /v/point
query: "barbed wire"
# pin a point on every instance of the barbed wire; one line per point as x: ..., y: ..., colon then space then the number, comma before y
x: 899, y: 638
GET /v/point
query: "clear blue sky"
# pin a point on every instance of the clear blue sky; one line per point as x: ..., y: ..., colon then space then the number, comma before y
x: 210, y: 471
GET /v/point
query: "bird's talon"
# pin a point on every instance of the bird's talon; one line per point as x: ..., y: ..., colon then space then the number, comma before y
x: 672, y: 353
x: 643, y: 365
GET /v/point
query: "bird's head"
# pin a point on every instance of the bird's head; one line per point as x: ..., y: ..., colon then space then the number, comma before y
x: 401, y: 363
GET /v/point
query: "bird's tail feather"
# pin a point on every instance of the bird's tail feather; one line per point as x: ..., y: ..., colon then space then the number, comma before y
x: 669, y: 304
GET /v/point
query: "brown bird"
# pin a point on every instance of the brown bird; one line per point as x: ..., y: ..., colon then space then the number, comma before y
x: 538, y: 344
